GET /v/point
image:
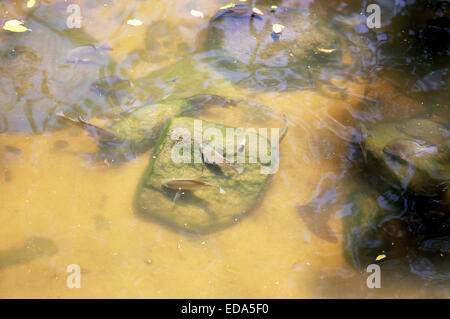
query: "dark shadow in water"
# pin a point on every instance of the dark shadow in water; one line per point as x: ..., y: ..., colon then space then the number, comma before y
x: 317, y: 212
x: 34, y: 247
x: 186, y: 199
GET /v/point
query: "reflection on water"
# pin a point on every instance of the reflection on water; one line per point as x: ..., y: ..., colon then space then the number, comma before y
x: 357, y: 179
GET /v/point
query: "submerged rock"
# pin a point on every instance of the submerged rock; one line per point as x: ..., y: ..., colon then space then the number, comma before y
x: 436, y: 245
x: 412, y: 154
x: 50, y: 68
x: 248, y: 50
x: 369, y: 230
x: 227, y: 198
x: 137, y: 131
x: 407, y: 166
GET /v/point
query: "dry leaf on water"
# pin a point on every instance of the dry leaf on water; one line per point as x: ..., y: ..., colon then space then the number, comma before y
x: 134, y: 22
x: 15, y: 26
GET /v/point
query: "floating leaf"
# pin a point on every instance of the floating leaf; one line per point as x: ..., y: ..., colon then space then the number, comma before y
x: 228, y: 6
x: 31, y: 3
x: 15, y: 26
x: 326, y: 50
x: 380, y: 257
x: 13, y: 22
x: 197, y: 14
x: 257, y: 11
x: 277, y: 28
x: 134, y: 22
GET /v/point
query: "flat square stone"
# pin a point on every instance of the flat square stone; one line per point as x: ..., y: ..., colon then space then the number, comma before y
x: 204, y: 209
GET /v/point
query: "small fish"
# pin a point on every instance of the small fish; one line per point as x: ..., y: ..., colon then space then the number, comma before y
x: 408, y: 147
x: 426, y: 130
x: 436, y: 245
x: 83, y: 54
x: 433, y: 81
x: 211, y: 156
x: 177, y: 195
x: 95, y: 131
x: 188, y: 184
x: 283, y: 131
x: 109, y: 84
x: 284, y: 128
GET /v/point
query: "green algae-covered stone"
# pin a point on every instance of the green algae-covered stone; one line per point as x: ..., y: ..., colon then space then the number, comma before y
x: 138, y: 130
x: 186, y: 77
x: 205, y: 209
x: 35, y: 76
x: 364, y: 229
x: 251, y: 54
x: 424, y: 170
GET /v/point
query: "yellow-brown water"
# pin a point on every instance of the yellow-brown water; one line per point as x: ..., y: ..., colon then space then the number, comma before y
x: 47, y: 190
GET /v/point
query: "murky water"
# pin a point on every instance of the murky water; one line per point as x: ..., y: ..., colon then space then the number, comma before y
x: 60, y: 205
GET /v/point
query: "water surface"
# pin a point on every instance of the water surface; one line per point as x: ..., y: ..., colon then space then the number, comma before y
x: 83, y: 209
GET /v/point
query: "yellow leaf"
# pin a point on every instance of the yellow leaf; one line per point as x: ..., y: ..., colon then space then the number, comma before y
x: 134, y: 22
x: 15, y: 26
x: 228, y: 6
x: 380, y: 257
x: 326, y: 50
x: 31, y: 3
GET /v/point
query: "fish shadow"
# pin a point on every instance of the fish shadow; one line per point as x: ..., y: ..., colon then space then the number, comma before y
x: 317, y: 212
